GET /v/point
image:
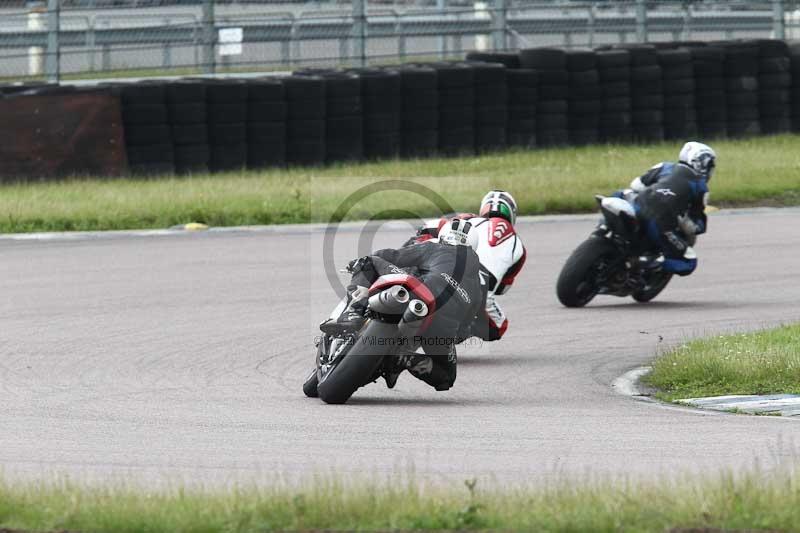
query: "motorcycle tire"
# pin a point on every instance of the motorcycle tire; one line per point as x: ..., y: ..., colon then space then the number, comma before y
x: 655, y: 285
x: 310, y: 385
x: 574, y: 287
x: 359, y: 365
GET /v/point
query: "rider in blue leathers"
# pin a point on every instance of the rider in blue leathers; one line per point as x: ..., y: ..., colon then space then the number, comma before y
x: 670, y: 200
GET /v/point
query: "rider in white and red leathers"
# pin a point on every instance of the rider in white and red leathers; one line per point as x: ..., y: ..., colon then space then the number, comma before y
x: 501, y: 253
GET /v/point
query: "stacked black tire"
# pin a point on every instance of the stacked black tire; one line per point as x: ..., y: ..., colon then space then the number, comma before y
x: 710, y: 98
x: 491, y: 106
x: 647, y: 101
x: 266, y: 123
x: 226, y: 105
x: 344, y: 130
x: 381, y: 97
x: 774, y: 86
x: 741, y: 88
x: 508, y: 59
x: 523, y: 98
x: 794, y: 52
x: 614, y: 70
x: 520, y: 104
x: 539, y: 97
x: 552, y: 106
x: 306, y: 131
x: 585, y: 97
x: 188, y: 118
x: 419, y: 120
x: 677, y: 75
x: 456, y: 84
x: 148, y: 136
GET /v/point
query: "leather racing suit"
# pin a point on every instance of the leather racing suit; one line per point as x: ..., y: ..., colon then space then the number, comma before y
x: 670, y: 200
x: 452, y: 275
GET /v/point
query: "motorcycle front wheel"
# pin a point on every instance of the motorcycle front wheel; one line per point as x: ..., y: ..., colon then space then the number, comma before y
x: 577, y: 284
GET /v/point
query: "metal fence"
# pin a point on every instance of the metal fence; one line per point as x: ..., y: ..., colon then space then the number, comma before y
x: 88, y: 38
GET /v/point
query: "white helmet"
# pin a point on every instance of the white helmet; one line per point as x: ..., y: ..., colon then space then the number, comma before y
x: 499, y: 204
x: 700, y: 157
x: 457, y: 233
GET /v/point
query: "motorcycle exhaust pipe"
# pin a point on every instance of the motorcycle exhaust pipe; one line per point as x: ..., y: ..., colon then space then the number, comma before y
x: 413, y: 318
x: 390, y: 301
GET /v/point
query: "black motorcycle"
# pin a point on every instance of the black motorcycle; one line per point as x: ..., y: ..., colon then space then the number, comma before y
x: 616, y: 259
x: 399, y: 310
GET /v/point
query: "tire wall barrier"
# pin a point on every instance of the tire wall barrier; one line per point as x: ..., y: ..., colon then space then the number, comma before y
x: 491, y: 101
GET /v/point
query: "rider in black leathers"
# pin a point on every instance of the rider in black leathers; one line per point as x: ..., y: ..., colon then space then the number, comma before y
x: 660, y: 206
x: 451, y: 274
x: 670, y: 200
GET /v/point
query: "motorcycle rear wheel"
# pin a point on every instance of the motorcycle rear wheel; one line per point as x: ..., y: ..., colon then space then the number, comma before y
x: 576, y: 284
x: 360, y: 364
x: 657, y: 283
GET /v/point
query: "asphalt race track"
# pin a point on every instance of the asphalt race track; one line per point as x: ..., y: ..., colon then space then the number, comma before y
x: 181, y: 358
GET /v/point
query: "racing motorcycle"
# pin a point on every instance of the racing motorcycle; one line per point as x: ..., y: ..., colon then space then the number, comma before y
x: 616, y: 260
x: 399, y: 309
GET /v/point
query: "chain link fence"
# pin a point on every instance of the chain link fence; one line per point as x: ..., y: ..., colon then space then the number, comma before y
x: 57, y: 39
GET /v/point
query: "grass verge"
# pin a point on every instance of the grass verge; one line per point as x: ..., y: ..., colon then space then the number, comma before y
x: 766, y: 362
x: 759, y: 171
x: 752, y: 501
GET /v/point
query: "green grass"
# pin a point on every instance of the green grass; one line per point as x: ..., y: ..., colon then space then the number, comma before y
x: 761, y: 171
x: 754, y: 501
x: 766, y: 362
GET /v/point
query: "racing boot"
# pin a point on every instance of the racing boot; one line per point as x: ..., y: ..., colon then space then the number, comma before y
x: 391, y: 378
x: 394, y: 367
x: 352, y: 317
